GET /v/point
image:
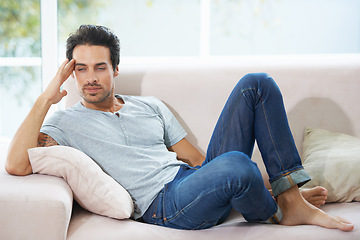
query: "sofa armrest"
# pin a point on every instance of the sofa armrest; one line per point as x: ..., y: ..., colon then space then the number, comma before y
x: 34, y: 207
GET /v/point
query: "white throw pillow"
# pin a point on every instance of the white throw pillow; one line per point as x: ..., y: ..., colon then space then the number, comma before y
x: 93, y: 189
x: 333, y: 161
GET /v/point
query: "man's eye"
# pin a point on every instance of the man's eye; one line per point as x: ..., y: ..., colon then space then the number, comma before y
x: 81, y: 69
x: 101, y: 68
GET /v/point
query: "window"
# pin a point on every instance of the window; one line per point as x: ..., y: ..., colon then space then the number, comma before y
x: 284, y: 27
x: 145, y: 27
x: 20, y: 63
x: 33, y: 35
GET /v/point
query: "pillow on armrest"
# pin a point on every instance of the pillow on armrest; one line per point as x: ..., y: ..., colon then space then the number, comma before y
x: 93, y: 189
x: 333, y: 161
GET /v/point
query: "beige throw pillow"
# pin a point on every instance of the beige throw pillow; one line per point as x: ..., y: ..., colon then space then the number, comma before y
x: 93, y: 189
x: 333, y: 161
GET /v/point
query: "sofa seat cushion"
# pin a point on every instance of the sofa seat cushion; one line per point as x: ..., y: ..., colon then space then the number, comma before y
x: 87, y: 226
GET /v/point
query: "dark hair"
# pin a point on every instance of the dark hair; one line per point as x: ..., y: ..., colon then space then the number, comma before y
x: 96, y: 36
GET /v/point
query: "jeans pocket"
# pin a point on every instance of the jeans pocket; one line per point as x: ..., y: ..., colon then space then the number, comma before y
x: 154, y: 214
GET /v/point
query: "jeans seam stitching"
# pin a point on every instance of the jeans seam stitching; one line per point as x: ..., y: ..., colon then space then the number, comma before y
x: 187, y: 206
x: 232, y: 113
x: 267, y: 125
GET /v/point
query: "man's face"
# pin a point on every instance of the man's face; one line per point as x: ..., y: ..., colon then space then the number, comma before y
x: 94, y: 73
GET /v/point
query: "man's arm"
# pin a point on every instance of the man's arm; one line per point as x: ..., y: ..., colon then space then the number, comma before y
x: 28, y: 135
x: 45, y: 140
x: 186, y: 152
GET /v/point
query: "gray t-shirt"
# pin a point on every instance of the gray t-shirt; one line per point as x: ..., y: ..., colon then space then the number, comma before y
x: 130, y: 145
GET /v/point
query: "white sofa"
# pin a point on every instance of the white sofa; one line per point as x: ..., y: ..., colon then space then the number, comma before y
x: 319, y: 92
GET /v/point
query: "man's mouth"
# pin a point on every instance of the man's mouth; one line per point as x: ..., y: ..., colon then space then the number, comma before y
x: 92, y: 89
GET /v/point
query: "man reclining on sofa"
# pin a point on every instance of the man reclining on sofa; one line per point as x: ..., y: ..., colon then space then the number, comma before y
x: 139, y: 143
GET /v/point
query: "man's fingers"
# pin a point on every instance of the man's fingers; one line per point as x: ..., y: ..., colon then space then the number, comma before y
x: 67, y: 70
x: 62, y: 66
x: 70, y: 65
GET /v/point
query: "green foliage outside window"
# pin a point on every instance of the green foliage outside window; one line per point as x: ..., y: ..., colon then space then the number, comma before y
x: 20, y: 28
x: 20, y: 36
x: 73, y: 13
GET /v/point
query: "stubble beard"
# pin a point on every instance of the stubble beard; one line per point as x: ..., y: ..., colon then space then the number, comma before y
x: 101, y: 99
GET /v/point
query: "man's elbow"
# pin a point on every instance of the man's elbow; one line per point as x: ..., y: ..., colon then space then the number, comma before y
x: 14, y: 169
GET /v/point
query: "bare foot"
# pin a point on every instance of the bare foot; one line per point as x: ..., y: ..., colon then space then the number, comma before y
x: 297, y: 211
x: 315, y: 196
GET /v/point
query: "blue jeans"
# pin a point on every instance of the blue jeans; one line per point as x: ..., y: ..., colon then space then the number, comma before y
x: 202, y: 197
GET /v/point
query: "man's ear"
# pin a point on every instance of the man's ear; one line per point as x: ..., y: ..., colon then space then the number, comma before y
x: 116, y: 72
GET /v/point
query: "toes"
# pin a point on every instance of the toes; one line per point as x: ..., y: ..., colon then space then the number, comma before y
x: 319, y: 191
x: 317, y: 199
x: 340, y: 223
x: 343, y: 220
x: 318, y: 203
x: 316, y: 196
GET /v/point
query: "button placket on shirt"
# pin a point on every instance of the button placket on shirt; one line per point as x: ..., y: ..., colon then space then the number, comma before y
x: 123, y: 128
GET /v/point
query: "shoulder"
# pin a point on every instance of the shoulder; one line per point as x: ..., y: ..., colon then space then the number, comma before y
x: 65, y: 114
x: 142, y: 99
x: 148, y: 101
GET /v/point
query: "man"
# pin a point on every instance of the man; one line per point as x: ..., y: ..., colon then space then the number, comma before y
x: 138, y: 142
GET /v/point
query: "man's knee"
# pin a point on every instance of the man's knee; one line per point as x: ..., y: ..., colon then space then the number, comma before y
x: 259, y: 80
x: 261, y: 83
x: 237, y: 165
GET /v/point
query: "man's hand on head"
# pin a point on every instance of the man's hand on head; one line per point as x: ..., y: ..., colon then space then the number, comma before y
x: 52, y: 92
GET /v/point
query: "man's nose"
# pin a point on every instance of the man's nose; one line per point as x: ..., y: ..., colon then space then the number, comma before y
x: 91, y: 77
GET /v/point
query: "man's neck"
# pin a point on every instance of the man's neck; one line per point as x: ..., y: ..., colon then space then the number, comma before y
x: 111, y: 104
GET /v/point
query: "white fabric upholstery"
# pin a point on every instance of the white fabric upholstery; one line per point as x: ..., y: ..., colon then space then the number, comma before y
x: 85, y: 226
x: 333, y: 161
x: 92, y: 188
x: 34, y: 207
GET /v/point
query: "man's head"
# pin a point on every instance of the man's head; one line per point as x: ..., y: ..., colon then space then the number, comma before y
x: 95, y: 36
x: 95, y: 50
